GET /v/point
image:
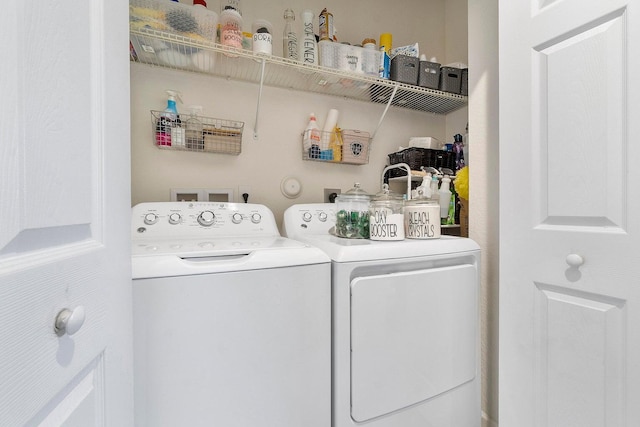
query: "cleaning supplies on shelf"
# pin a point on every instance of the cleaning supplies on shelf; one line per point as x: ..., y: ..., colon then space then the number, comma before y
x: 194, y: 129
x: 311, y: 140
x: 330, y: 135
x: 445, y: 196
x: 384, y: 70
x: 309, y: 48
x: 435, y: 196
x: 169, y: 131
x: 290, y: 37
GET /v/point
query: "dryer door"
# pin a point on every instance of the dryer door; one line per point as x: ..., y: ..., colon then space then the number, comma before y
x: 413, y: 336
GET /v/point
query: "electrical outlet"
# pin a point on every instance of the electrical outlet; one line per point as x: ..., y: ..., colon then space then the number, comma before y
x: 328, y: 194
x: 242, y: 190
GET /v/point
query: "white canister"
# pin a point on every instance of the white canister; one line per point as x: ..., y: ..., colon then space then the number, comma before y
x: 386, y: 220
x: 422, y: 219
x: 262, y: 37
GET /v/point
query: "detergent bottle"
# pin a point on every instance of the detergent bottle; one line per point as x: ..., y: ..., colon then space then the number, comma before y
x: 171, y: 120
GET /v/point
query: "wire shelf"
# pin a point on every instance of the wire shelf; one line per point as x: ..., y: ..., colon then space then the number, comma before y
x: 168, y: 50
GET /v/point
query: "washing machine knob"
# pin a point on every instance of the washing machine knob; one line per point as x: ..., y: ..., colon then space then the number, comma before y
x: 236, y: 218
x: 322, y: 216
x: 206, y: 218
x: 256, y: 218
x: 306, y: 217
x: 174, y: 218
x: 150, y: 218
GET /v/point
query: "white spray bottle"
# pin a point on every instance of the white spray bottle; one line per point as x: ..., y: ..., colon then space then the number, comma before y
x: 445, y: 196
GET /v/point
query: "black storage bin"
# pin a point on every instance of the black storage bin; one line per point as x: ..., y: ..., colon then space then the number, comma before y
x: 404, y: 69
x: 464, y: 84
x: 450, y: 78
x: 416, y: 157
x: 429, y: 74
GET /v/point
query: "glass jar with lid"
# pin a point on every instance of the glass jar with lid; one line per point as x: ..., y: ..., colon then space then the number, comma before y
x: 422, y: 218
x: 386, y: 216
x: 352, y: 217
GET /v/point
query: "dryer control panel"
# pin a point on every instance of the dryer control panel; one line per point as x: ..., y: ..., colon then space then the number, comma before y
x: 309, y: 219
x: 198, y: 219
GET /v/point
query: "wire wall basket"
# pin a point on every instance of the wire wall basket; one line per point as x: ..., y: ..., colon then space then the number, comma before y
x: 196, y: 133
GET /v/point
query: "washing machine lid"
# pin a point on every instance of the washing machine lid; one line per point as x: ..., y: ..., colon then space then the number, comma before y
x: 413, y: 337
x: 171, y: 258
x: 353, y: 250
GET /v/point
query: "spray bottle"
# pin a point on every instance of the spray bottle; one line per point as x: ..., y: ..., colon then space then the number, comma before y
x: 194, y: 129
x: 424, y: 189
x: 171, y: 120
x: 445, y: 197
x: 311, y: 139
x: 434, y: 189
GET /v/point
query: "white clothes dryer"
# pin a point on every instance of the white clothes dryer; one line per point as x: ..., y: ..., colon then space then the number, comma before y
x: 232, y: 322
x: 405, y: 326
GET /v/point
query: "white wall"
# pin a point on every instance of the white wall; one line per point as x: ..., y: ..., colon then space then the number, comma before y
x: 284, y: 114
x: 483, y: 184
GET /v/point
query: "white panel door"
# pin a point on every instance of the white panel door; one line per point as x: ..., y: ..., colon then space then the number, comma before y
x: 65, y: 212
x: 569, y: 209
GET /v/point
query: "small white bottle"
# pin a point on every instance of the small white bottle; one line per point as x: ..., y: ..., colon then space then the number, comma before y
x: 445, y: 196
x: 290, y: 37
x: 309, y: 46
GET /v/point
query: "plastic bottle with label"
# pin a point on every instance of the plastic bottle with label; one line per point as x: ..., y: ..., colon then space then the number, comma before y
x: 311, y: 139
x: 290, y: 37
x: 231, y: 29
x: 435, y: 196
x: 194, y: 130
x: 169, y: 131
x: 309, y: 46
x: 445, y: 196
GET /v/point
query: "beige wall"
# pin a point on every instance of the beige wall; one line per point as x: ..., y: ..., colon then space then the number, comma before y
x: 284, y: 113
x: 483, y: 184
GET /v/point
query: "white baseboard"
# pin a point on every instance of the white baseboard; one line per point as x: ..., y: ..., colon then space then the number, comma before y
x: 488, y: 422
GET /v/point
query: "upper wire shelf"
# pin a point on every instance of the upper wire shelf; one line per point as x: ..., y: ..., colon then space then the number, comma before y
x: 168, y: 50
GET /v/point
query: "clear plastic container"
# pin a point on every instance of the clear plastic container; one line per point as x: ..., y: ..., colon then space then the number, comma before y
x: 352, y: 217
x: 386, y: 216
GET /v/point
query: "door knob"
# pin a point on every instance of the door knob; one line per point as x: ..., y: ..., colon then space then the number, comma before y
x: 574, y: 260
x: 69, y: 321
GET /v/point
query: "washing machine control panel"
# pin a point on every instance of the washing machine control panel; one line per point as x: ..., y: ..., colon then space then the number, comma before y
x: 199, y: 219
x: 312, y: 218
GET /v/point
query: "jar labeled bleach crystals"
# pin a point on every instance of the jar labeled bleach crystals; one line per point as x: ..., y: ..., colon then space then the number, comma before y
x: 386, y: 218
x: 422, y: 218
x: 352, y: 217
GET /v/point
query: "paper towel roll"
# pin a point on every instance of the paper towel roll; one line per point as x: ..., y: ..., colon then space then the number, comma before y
x: 331, y: 121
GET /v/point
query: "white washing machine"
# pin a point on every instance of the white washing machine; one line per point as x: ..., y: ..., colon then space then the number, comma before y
x: 405, y: 326
x: 232, y: 322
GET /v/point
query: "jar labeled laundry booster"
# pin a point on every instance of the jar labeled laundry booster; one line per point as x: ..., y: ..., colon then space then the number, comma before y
x: 231, y: 29
x: 386, y: 218
x: 422, y: 219
x: 352, y: 217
